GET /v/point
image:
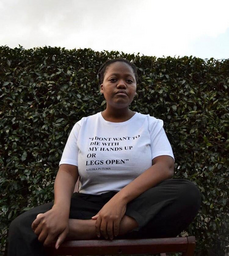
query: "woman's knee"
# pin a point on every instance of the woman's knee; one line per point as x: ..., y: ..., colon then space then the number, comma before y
x: 190, y: 190
x: 184, y: 194
x: 189, y: 194
x: 22, y: 222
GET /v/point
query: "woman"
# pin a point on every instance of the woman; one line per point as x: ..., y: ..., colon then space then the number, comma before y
x: 124, y: 163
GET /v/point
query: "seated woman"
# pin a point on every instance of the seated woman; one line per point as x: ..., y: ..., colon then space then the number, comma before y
x: 125, y: 165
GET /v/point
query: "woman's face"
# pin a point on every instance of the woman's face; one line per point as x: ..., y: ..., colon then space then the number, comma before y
x: 119, y: 85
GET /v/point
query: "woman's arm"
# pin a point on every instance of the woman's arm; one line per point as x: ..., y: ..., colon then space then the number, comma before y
x: 52, y: 226
x: 109, y: 217
x: 64, y: 186
x: 162, y: 169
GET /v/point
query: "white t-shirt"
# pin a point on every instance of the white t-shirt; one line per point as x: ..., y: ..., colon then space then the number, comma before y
x: 110, y: 155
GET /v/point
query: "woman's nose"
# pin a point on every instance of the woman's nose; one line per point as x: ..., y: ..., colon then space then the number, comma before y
x: 121, y: 83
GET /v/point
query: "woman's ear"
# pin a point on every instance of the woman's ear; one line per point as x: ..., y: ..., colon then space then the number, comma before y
x: 101, y: 88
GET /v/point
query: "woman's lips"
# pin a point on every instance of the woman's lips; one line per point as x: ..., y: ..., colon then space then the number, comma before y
x: 121, y: 93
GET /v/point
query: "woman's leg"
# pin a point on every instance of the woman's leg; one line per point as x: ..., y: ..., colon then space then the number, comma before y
x: 162, y: 211
x: 83, y: 207
x: 85, y: 229
x: 166, y: 209
x: 21, y: 240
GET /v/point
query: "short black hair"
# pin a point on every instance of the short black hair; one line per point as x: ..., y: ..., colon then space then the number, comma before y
x: 106, y: 64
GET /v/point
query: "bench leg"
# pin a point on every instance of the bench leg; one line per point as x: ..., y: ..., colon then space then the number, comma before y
x: 191, y: 246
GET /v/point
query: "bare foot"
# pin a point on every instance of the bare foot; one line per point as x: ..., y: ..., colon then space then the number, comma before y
x: 127, y: 225
x: 85, y: 229
x: 81, y: 229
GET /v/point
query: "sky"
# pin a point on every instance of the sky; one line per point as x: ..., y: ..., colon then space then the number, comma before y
x: 158, y: 28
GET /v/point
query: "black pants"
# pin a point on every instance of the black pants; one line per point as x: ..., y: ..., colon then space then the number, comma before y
x: 162, y: 211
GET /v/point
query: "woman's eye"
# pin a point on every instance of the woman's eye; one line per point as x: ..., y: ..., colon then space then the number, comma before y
x: 113, y: 80
x: 129, y: 81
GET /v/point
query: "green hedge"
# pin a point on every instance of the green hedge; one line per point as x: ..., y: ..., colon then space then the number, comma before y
x: 44, y: 91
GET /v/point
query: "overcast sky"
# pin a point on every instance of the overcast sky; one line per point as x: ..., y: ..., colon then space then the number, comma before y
x: 151, y: 27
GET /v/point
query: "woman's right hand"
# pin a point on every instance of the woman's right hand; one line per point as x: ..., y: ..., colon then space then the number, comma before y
x: 51, y: 226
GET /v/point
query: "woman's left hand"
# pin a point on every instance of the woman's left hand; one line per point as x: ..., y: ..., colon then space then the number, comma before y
x: 109, y: 217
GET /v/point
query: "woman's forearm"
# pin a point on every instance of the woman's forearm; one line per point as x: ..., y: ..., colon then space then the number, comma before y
x: 114, y: 210
x: 162, y: 169
x: 64, y: 186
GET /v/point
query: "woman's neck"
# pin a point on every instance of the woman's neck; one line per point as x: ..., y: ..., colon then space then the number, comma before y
x: 117, y: 115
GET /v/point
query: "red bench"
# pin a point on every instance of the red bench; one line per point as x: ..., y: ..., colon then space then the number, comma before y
x: 184, y: 245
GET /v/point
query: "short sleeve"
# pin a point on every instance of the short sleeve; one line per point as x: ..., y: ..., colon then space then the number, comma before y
x: 160, y: 144
x: 70, y: 153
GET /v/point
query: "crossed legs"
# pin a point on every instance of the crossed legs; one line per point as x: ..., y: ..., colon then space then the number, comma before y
x: 162, y: 211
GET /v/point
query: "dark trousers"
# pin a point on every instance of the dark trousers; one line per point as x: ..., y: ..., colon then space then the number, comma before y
x: 162, y: 211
